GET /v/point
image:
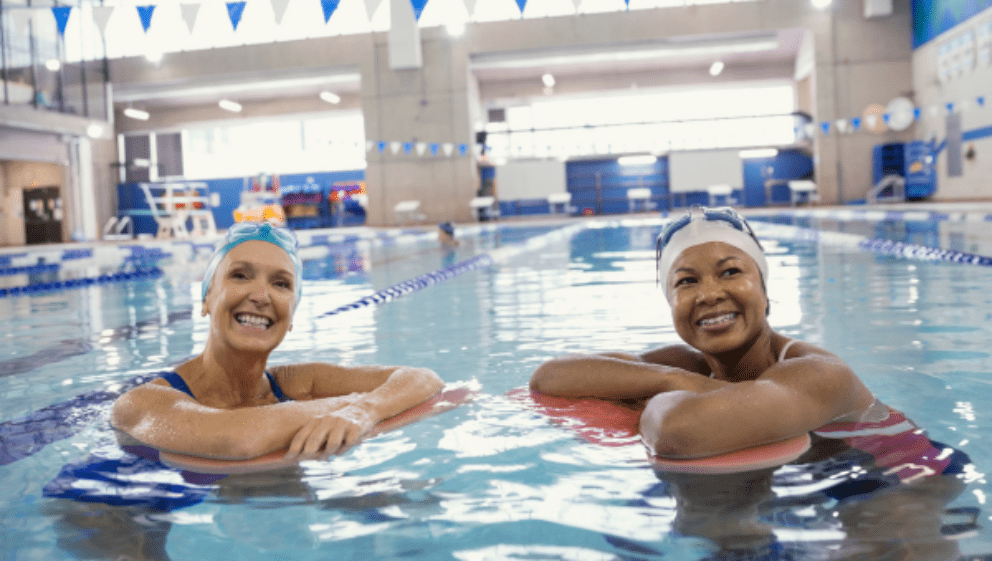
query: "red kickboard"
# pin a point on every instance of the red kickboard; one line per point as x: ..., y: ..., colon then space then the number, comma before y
x: 444, y: 401
x: 612, y: 423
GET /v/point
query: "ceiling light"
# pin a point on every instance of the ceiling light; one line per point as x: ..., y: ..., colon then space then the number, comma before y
x: 759, y: 153
x: 716, y: 68
x: 821, y: 4
x: 53, y: 64
x: 549, y: 80
x: 641, y: 160
x: 330, y: 97
x: 95, y: 130
x: 228, y: 105
x: 136, y: 114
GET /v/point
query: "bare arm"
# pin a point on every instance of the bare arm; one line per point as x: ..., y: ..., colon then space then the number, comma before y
x: 622, y: 375
x: 788, y: 399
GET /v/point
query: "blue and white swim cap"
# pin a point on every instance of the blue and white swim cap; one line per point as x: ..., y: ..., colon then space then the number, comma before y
x: 703, y: 225
x: 242, y: 232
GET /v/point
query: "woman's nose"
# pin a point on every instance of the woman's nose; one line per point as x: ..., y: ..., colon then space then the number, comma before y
x: 259, y: 293
x: 709, y: 290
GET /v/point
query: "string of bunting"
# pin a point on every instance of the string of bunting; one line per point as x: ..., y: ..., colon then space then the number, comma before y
x: 897, y: 118
x: 421, y: 149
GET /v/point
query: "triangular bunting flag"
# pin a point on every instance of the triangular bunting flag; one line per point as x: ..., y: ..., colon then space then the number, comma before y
x: 21, y: 17
x: 382, y: 146
x: 395, y: 146
x: 279, y: 9
x: 447, y: 148
x: 462, y: 149
x: 145, y: 14
x: 871, y: 121
x: 886, y: 117
x: 916, y: 113
x: 627, y: 2
x: 101, y: 17
x: 190, y: 13
x: 950, y: 108
x: 329, y: 6
x: 61, y: 14
x: 407, y: 147
x: 470, y: 8
x: 825, y: 125
x: 418, y: 7
x: 234, y: 11
x: 934, y: 110
x: 856, y: 123
x: 434, y: 148
x: 981, y: 101
x: 521, y: 4
x: 577, y: 2
x: 421, y: 148
x: 371, y: 7
x: 841, y: 125
x: 368, y: 145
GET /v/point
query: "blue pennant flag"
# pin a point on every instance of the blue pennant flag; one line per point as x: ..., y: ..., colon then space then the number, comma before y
x: 886, y: 118
x: 981, y: 101
x: 61, y: 14
x: 329, y: 6
x: 825, y: 125
x: 521, y: 4
x: 950, y: 108
x: 418, y: 7
x: 234, y: 11
x: 856, y: 122
x: 463, y: 149
x: 407, y: 146
x: 381, y: 146
x: 916, y: 113
x: 434, y: 148
x: 627, y: 2
x: 145, y: 14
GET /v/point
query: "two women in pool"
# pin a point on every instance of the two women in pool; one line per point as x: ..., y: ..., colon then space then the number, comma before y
x: 225, y: 403
x: 736, y: 383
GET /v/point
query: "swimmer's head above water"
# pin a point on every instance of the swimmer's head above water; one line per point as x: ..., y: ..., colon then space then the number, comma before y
x: 241, y: 232
x: 703, y: 225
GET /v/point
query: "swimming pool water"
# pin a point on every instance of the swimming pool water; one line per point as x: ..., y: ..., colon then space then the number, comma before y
x: 492, y: 479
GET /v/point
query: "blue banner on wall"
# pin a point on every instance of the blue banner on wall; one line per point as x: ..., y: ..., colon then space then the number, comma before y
x: 933, y: 17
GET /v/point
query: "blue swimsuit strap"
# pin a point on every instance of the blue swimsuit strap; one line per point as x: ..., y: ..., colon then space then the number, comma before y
x: 177, y: 382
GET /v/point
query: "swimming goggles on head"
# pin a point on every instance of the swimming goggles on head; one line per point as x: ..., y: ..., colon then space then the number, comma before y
x: 696, y: 212
x: 241, y: 232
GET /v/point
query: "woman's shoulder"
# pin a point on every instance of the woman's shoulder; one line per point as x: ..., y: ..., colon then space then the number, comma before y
x: 679, y: 356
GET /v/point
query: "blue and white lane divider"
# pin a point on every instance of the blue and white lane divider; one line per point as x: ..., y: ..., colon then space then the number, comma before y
x: 481, y: 261
x: 864, y: 243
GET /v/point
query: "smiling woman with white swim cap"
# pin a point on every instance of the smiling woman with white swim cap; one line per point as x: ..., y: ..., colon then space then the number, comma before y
x: 736, y: 383
x: 226, y: 404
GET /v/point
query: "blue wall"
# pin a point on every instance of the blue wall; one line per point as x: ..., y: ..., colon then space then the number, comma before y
x: 130, y: 196
x: 933, y: 17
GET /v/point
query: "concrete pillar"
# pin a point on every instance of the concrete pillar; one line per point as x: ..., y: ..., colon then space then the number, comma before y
x: 428, y: 104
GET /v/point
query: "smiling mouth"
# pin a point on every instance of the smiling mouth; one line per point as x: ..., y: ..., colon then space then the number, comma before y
x: 250, y: 320
x: 718, y: 321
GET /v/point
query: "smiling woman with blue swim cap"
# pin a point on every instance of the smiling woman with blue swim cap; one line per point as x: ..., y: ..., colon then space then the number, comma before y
x: 226, y: 404
x: 736, y: 383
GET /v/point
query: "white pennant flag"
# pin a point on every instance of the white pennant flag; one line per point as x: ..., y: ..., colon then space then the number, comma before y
x: 421, y: 148
x: 470, y: 7
x: 279, y: 9
x: 189, y: 12
x: 448, y: 148
x: 368, y: 145
x: 841, y: 125
x: 576, y: 2
x: 21, y: 18
x: 101, y: 17
x: 371, y: 6
x: 395, y: 146
x: 934, y: 110
x: 871, y: 120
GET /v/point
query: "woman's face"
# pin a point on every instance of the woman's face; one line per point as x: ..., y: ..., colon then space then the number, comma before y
x: 251, y: 298
x: 717, y: 297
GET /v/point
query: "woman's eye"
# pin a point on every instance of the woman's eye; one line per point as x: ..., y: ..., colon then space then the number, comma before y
x: 684, y: 280
x: 731, y: 271
x: 239, y: 275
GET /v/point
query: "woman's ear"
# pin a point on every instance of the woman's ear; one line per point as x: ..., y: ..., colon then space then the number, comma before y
x: 203, y: 309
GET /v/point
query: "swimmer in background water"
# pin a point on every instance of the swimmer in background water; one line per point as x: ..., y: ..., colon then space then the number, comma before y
x: 736, y: 383
x: 446, y: 235
x: 226, y: 403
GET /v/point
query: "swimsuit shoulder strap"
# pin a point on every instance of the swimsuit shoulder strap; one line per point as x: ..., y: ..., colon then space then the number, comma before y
x: 177, y: 382
x: 785, y: 349
x: 276, y: 389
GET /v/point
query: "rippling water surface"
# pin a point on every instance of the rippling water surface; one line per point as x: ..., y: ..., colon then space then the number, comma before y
x: 493, y: 479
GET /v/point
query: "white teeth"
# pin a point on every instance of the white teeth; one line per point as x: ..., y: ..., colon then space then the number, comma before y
x: 253, y: 321
x: 717, y: 320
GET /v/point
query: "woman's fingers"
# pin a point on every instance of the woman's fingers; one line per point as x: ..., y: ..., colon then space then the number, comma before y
x: 323, y: 436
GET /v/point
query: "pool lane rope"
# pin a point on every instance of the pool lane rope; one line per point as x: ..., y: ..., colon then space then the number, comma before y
x: 80, y: 282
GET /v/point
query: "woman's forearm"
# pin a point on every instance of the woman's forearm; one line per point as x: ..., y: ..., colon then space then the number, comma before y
x: 604, y: 377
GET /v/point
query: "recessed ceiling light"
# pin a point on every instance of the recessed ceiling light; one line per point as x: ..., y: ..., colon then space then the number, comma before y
x: 548, y: 80
x: 95, y: 130
x: 136, y: 114
x: 228, y: 105
x: 330, y: 97
x: 716, y: 68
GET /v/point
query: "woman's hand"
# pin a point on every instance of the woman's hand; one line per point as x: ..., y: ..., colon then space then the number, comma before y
x: 330, y: 433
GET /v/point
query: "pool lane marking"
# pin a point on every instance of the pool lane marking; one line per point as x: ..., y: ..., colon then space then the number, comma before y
x: 481, y: 261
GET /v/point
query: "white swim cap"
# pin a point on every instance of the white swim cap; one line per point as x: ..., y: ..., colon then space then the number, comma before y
x: 703, y: 225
